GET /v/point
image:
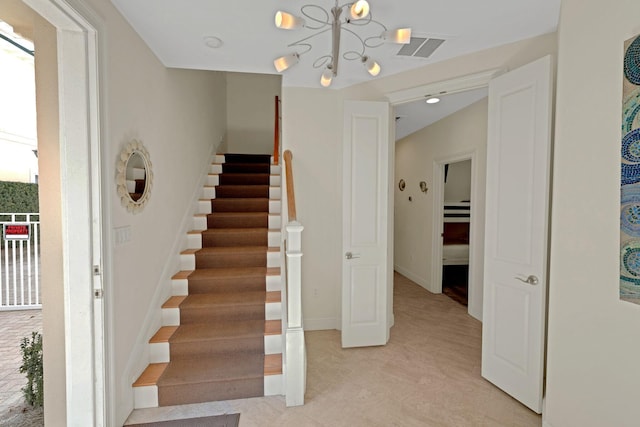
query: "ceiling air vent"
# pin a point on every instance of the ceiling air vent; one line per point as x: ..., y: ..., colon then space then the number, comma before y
x: 420, y: 47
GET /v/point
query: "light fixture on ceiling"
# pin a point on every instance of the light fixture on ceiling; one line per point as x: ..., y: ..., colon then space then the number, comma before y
x: 432, y: 100
x: 321, y: 21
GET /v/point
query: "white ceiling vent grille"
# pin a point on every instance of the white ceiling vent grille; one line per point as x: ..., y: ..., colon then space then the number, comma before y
x: 420, y: 47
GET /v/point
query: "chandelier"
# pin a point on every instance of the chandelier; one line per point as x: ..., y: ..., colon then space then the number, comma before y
x: 319, y: 20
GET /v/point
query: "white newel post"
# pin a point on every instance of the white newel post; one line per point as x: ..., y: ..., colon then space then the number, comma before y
x: 295, y: 355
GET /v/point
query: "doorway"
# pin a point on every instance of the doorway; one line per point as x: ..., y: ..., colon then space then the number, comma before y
x: 456, y: 223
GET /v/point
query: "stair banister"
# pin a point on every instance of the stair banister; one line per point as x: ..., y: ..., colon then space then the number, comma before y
x: 295, y: 354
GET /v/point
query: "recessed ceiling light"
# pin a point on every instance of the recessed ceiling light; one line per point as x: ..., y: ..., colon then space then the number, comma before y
x: 433, y: 100
x: 213, y: 42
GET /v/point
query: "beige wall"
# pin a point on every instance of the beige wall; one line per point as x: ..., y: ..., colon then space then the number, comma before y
x: 312, y: 129
x: 180, y: 116
x: 462, y: 133
x: 458, y: 185
x: 593, y: 342
x: 251, y: 112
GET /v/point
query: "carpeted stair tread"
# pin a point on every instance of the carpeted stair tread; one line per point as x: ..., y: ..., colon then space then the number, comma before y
x: 245, y: 178
x: 221, y: 299
x: 238, y: 220
x: 231, y: 257
x: 246, y: 168
x: 244, y: 204
x: 213, y: 273
x: 247, y: 158
x: 242, y: 191
x: 219, y: 330
x: 214, y: 369
x: 233, y: 237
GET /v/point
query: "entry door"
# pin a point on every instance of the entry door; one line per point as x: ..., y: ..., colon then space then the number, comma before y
x: 366, y: 244
x: 517, y: 211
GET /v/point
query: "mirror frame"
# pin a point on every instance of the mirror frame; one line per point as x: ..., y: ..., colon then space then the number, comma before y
x: 133, y: 147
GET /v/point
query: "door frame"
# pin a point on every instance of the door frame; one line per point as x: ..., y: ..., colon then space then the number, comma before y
x: 451, y: 86
x: 474, y: 307
x: 88, y: 353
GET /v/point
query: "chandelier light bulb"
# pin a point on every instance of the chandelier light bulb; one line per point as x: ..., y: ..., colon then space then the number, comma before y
x: 327, y: 77
x: 400, y: 35
x: 286, y: 61
x: 372, y: 66
x: 360, y: 9
x: 288, y: 21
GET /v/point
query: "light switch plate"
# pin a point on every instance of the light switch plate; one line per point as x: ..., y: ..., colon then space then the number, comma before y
x: 122, y: 235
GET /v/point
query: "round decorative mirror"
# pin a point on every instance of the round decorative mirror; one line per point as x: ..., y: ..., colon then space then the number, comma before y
x: 134, y: 178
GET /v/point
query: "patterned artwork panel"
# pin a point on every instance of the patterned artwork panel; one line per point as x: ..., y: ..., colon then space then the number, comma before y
x: 630, y: 175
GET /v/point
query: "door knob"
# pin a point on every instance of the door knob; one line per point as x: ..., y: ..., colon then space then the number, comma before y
x: 532, y: 280
x: 350, y: 255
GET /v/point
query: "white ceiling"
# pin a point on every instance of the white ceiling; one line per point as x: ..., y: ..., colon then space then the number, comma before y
x: 416, y: 115
x: 175, y: 29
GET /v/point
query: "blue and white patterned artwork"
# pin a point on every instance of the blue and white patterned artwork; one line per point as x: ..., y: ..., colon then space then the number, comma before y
x: 630, y: 175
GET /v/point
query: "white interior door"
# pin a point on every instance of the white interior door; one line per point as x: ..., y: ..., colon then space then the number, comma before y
x: 518, y: 157
x: 366, y: 266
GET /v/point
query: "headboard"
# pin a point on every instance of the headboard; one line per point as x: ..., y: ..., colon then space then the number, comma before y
x: 456, y: 223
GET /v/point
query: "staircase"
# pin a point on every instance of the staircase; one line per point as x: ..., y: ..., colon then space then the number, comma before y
x: 221, y: 337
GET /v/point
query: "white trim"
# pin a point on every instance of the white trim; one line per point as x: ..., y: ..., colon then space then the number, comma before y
x: 455, y: 85
x: 82, y: 238
x: 413, y: 277
x: 320, y: 324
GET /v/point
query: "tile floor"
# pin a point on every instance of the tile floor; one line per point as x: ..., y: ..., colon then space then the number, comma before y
x: 14, y: 325
x: 427, y: 375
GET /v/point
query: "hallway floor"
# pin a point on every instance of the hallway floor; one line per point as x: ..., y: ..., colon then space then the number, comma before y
x: 428, y: 375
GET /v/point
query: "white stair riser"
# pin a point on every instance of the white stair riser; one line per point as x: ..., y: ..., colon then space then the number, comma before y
x: 275, y: 169
x: 273, y: 344
x: 180, y: 287
x: 171, y: 316
x: 274, y: 283
x: 204, y: 206
x: 194, y: 241
x: 275, y: 181
x: 145, y: 397
x: 274, y: 240
x: 275, y: 206
x: 199, y: 224
x: 213, y: 179
x: 275, y: 193
x: 160, y: 352
x: 275, y: 221
x: 219, y: 158
x: 209, y: 192
x: 274, y: 385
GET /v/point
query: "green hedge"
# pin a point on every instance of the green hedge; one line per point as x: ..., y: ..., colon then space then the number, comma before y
x: 18, y: 197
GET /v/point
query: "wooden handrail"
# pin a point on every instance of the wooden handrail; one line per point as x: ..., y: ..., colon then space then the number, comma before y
x: 291, y: 196
x: 276, y: 133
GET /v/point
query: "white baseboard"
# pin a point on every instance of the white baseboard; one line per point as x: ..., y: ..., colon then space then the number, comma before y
x: 320, y: 324
x: 413, y: 277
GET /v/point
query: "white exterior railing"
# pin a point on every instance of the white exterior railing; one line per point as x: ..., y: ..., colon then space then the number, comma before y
x: 20, y: 264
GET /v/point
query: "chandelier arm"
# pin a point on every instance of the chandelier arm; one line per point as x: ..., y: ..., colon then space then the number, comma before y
x: 322, y: 61
x: 299, y: 42
x: 308, y: 15
x: 358, y: 37
x: 373, y: 46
